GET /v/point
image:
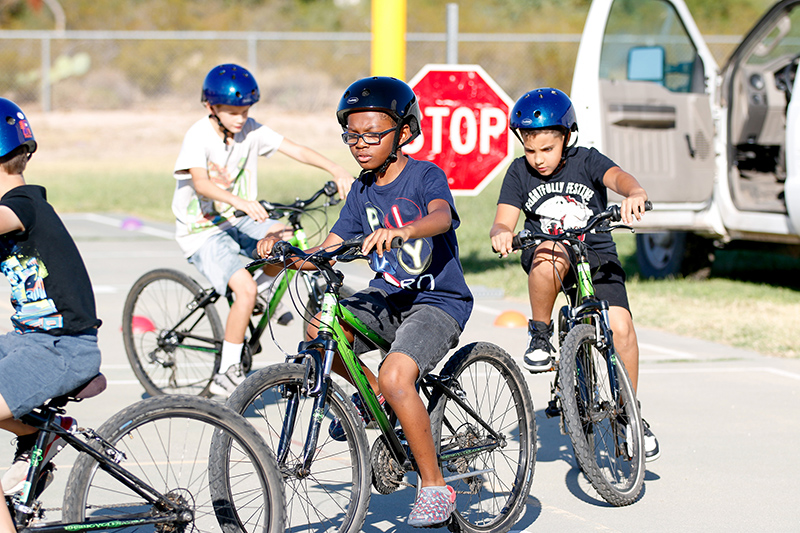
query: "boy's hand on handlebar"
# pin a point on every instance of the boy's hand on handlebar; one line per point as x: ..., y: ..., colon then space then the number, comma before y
x: 381, y: 240
x: 264, y: 246
x: 501, y: 242
x: 343, y: 181
x: 632, y: 208
x: 253, y: 209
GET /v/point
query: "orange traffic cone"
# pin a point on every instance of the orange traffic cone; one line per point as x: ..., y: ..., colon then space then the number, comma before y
x: 511, y: 319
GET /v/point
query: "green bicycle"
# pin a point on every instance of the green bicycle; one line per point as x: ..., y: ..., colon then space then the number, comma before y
x: 592, y: 392
x: 172, y: 331
x: 167, y: 463
x: 482, y: 420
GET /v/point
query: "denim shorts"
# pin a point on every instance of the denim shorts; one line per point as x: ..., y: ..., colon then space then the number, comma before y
x: 425, y: 333
x: 35, y: 367
x: 218, y: 259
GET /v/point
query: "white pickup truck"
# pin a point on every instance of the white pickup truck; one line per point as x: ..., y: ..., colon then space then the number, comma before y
x: 716, y: 149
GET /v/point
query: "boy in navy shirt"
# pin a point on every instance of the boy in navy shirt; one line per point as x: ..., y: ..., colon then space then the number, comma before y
x: 418, y: 299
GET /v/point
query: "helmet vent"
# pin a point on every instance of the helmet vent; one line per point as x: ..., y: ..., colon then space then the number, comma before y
x: 537, y: 113
x: 10, y: 121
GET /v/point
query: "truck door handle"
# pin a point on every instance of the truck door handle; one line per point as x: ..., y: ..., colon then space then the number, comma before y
x: 689, y: 144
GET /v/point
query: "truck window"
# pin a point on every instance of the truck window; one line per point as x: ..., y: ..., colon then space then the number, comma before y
x: 651, y: 23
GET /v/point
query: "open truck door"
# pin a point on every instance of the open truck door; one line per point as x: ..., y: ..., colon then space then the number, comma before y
x: 643, y: 91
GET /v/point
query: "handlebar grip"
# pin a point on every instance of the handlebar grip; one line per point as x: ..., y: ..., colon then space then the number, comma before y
x: 239, y: 213
x: 397, y: 242
x: 330, y: 189
x: 648, y: 205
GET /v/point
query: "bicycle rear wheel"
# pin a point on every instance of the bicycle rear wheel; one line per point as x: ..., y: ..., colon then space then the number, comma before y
x: 602, y: 417
x: 488, y: 380
x: 180, y: 446
x: 169, y: 356
x: 334, y: 495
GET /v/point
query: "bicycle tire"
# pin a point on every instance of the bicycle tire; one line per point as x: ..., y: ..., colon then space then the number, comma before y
x: 335, y: 494
x: 155, y: 303
x: 611, y: 456
x: 176, y: 444
x: 486, y: 377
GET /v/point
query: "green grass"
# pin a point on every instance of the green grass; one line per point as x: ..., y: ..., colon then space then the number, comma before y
x: 750, y: 299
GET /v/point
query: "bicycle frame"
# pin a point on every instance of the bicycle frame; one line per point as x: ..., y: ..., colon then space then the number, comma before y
x: 107, y: 459
x: 319, y: 353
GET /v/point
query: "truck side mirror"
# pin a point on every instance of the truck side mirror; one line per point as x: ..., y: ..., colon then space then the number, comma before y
x: 646, y: 63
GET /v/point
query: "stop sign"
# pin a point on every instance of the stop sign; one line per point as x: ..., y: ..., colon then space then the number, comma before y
x: 464, y: 125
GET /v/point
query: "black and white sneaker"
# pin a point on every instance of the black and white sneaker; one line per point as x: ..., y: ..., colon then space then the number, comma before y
x: 540, y: 355
x: 651, y: 449
x: 14, y: 478
x: 224, y: 383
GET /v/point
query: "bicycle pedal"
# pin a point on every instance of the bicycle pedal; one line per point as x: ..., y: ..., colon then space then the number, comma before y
x: 552, y: 409
x: 285, y: 318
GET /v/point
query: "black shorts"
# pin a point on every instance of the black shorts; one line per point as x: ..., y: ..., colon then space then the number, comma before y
x: 608, y: 276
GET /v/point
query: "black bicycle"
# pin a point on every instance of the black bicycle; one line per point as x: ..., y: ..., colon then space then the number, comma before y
x: 165, y: 464
x: 592, y: 392
x: 172, y: 331
x: 482, y: 420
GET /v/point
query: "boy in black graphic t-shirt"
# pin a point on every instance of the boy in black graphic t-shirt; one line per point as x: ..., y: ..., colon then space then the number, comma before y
x: 53, y: 348
x: 560, y: 186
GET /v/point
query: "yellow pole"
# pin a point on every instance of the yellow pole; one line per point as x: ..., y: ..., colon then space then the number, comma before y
x: 389, y: 38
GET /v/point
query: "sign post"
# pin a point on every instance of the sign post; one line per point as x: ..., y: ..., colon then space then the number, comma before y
x: 464, y: 125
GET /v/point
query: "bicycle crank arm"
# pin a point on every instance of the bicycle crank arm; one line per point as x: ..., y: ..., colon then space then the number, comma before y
x: 466, y: 475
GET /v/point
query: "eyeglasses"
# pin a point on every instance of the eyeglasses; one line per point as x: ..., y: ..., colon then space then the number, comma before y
x: 371, y: 137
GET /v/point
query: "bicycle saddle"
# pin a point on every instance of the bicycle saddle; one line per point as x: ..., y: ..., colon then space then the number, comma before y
x: 91, y: 388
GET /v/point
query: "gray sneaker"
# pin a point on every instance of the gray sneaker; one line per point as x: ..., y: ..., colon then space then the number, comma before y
x: 224, y: 383
x: 651, y: 449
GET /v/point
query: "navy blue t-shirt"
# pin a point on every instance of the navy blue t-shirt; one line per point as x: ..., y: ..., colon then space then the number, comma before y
x: 423, y: 271
x: 565, y: 199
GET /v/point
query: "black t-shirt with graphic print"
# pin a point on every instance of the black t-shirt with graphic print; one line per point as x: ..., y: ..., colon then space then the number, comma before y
x: 565, y: 199
x: 50, y: 288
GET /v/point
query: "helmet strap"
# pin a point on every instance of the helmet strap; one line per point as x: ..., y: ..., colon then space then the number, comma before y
x: 395, y: 147
x: 225, y: 131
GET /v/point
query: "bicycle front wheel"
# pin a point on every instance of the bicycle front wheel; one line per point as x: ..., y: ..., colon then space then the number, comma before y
x: 170, y: 342
x: 179, y: 445
x: 602, y: 417
x: 493, y: 477
x: 333, y: 495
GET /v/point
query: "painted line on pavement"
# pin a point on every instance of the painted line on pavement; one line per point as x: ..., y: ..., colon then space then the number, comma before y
x: 711, y: 370
x: 110, y: 221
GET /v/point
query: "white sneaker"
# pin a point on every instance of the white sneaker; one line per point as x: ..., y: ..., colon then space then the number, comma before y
x: 651, y: 449
x: 224, y: 383
x: 539, y: 357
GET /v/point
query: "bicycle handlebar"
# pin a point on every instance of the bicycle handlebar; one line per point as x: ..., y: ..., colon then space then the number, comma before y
x: 525, y: 238
x: 347, y: 251
x: 276, y: 210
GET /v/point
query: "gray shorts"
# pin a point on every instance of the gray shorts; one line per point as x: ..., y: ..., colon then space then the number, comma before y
x: 218, y: 259
x: 425, y: 333
x: 35, y: 367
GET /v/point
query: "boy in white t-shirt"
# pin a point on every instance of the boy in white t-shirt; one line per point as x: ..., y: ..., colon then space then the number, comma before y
x: 216, y: 174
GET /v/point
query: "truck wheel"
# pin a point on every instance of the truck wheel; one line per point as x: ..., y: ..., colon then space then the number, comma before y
x: 670, y: 254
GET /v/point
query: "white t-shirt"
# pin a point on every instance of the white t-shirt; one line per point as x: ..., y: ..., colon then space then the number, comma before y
x: 231, y: 167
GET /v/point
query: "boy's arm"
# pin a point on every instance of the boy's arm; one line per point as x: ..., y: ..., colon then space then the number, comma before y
x: 632, y: 193
x: 9, y: 221
x: 304, y: 154
x: 204, y: 187
x: 502, y: 232
x: 438, y: 220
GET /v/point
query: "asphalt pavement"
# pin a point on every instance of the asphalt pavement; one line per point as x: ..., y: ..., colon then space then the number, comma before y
x: 727, y: 419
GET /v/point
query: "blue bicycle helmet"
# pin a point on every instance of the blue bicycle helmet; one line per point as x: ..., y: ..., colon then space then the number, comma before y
x: 543, y: 108
x: 230, y: 84
x: 14, y: 128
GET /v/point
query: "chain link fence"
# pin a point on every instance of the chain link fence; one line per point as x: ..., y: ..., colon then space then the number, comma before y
x: 296, y: 71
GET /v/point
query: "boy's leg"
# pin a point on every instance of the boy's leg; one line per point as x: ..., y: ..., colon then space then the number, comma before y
x: 397, y: 377
x: 549, y: 265
x: 627, y: 346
